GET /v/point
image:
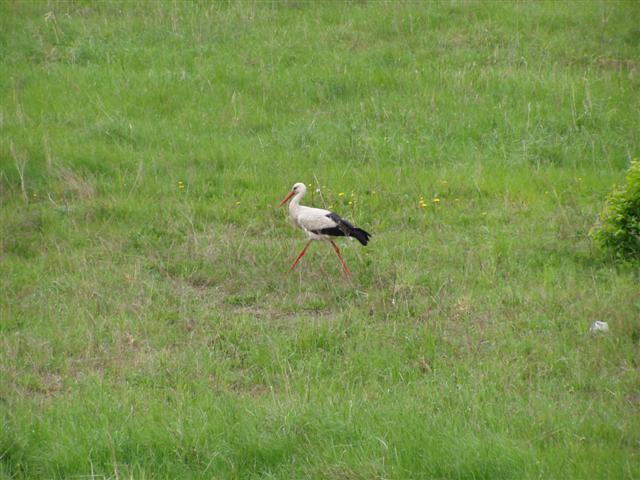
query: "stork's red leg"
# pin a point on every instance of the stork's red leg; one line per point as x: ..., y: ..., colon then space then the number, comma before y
x: 344, y: 265
x: 304, y: 250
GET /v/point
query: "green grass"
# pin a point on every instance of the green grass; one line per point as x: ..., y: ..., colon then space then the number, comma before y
x: 150, y: 330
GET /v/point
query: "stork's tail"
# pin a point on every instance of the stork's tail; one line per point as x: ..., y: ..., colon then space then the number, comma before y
x: 361, y: 235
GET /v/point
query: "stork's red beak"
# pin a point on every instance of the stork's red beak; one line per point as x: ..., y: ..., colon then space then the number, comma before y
x: 286, y: 198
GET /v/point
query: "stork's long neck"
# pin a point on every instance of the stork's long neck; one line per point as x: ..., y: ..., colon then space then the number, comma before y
x: 294, y: 204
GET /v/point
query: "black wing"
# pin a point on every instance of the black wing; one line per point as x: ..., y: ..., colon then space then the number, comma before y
x: 344, y: 229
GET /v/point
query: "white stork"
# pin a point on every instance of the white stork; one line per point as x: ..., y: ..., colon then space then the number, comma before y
x: 320, y: 224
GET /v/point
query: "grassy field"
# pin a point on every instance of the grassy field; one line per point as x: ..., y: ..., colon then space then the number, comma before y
x: 148, y: 327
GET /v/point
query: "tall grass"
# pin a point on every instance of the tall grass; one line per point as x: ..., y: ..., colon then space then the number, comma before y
x: 148, y: 327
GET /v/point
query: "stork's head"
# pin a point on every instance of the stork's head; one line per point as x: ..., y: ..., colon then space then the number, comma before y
x: 298, y: 188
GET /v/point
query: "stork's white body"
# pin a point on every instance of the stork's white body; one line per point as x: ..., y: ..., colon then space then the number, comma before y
x: 310, y: 219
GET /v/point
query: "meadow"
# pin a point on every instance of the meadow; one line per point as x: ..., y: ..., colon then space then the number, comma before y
x: 148, y: 326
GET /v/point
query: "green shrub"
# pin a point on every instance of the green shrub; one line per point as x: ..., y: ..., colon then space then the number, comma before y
x: 618, y: 229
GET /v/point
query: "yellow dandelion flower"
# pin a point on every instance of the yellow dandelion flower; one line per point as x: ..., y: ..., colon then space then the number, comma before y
x: 341, y: 194
x: 238, y: 202
x: 350, y: 202
x: 436, y: 200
